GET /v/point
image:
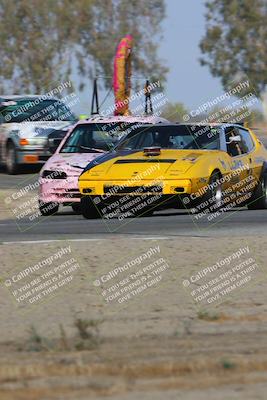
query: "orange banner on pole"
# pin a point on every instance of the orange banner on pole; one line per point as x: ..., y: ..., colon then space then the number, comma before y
x: 122, y: 76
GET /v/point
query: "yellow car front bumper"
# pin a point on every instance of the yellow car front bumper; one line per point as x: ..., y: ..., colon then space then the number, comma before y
x: 120, y: 188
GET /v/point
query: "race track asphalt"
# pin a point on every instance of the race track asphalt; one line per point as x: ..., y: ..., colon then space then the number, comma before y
x: 66, y: 225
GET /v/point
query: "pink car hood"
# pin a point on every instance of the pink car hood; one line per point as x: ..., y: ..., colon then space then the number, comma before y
x: 71, y: 163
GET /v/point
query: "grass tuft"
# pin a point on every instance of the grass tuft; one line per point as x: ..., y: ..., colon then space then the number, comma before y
x: 226, y: 364
x: 88, y: 331
x: 206, y: 316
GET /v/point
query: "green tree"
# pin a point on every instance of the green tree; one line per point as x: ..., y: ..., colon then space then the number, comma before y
x: 111, y: 20
x: 33, y: 45
x: 41, y: 42
x: 174, y: 112
x: 235, y: 43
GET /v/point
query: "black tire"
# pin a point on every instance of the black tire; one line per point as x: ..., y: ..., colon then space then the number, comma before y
x: 11, y: 160
x: 48, y: 208
x: 88, y: 209
x: 76, y: 207
x: 258, y: 200
x: 214, y: 195
x: 148, y: 213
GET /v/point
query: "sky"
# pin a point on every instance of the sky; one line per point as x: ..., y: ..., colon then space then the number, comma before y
x: 187, y: 82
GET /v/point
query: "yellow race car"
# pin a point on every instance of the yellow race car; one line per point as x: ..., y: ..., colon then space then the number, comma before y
x: 189, y: 166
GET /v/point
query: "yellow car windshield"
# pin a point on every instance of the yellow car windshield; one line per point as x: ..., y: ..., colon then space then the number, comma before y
x: 172, y: 137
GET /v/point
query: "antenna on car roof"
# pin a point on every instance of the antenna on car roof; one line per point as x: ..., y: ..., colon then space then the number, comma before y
x: 95, y: 103
x: 148, y: 100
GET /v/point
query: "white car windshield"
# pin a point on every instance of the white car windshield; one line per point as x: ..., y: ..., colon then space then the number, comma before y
x: 34, y: 109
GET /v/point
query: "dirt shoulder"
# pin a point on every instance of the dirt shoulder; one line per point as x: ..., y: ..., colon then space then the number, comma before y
x: 78, y: 341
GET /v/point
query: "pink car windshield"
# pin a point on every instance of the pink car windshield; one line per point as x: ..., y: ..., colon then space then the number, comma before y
x: 95, y: 136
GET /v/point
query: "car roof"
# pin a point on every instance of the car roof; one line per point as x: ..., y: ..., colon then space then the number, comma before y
x: 149, y: 119
x: 21, y: 97
x: 211, y: 124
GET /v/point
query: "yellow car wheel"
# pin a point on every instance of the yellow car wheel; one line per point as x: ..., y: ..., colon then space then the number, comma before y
x: 214, y: 194
x: 258, y: 200
x: 89, y: 209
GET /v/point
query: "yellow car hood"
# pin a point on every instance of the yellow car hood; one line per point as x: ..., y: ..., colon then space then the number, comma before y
x: 169, y: 162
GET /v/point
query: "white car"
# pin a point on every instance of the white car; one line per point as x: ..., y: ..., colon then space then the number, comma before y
x: 26, y: 124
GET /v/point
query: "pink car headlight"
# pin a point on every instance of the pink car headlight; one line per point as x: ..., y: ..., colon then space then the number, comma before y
x: 49, y: 174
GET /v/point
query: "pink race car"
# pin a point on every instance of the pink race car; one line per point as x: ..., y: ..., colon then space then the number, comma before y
x: 84, y: 142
